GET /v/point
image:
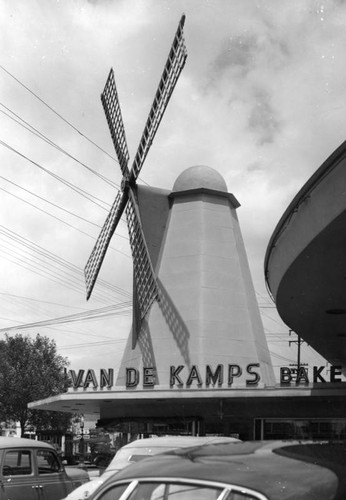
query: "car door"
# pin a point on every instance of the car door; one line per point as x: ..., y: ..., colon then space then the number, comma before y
x: 18, y: 478
x: 52, y: 479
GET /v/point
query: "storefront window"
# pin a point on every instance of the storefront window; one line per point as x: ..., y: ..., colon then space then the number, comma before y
x: 275, y: 428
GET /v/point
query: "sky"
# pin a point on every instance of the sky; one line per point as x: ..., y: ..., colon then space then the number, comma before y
x: 261, y: 99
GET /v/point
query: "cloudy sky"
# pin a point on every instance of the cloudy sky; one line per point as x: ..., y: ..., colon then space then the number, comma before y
x: 261, y: 99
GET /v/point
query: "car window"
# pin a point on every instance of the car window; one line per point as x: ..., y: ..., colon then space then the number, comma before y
x: 192, y: 492
x: 113, y: 493
x: 164, y: 490
x: 171, y: 491
x: 17, y: 463
x: 47, y: 462
x: 137, y: 458
x: 238, y: 495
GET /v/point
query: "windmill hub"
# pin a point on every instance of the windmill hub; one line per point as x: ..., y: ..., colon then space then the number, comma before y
x: 200, y: 176
x: 124, y: 184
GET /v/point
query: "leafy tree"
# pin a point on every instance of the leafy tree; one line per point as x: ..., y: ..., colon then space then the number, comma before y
x: 55, y: 421
x: 30, y: 369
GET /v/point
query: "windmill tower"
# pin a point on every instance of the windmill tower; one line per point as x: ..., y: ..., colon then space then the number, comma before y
x: 196, y: 321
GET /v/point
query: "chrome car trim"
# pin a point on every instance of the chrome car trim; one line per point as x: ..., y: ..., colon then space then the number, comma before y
x: 132, y: 485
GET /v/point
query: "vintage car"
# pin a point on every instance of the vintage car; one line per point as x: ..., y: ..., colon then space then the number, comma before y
x: 138, y: 450
x: 32, y: 470
x: 235, y: 471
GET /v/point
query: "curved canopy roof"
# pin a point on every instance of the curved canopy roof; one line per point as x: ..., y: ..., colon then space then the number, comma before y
x: 305, y: 264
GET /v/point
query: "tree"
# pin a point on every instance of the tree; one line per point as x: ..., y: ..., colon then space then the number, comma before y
x: 30, y: 369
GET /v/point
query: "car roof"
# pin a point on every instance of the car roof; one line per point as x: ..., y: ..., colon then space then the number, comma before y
x: 140, y: 448
x: 176, y: 441
x: 308, y: 470
x: 14, y: 442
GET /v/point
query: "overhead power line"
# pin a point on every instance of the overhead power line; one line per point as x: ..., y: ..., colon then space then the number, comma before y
x: 57, y: 114
x: 50, y: 264
x: 63, y: 119
x: 41, y: 136
x: 279, y: 356
x: 91, y: 344
x: 72, y: 186
x: 54, y: 205
x: 61, y: 220
x: 41, y: 269
x: 115, y: 310
x: 46, y: 201
x: 11, y: 302
x: 47, y: 213
x: 34, y: 249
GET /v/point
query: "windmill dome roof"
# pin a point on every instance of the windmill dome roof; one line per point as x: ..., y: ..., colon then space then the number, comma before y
x: 200, y: 176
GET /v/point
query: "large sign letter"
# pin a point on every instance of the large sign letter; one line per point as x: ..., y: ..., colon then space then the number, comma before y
x: 174, y: 375
x: 132, y: 377
x: 285, y: 375
x: 256, y: 376
x: 77, y: 381
x: 233, y: 371
x: 194, y: 375
x: 148, y: 377
x: 216, y: 377
x: 334, y: 372
x: 106, y: 379
x: 90, y: 378
x: 317, y: 374
x: 302, y: 375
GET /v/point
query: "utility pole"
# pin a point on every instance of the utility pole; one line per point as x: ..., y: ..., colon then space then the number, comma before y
x: 81, y: 442
x: 299, y: 342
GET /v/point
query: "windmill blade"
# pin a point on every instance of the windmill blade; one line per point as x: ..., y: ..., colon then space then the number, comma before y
x: 174, y: 65
x: 136, y: 314
x: 111, y: 106
x: 95, y: 260
x: 145, y: 280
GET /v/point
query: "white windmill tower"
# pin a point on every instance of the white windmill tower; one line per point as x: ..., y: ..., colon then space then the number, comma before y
x: 195, y: 316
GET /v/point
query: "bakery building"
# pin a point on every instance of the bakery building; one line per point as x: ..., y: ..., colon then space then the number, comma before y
x: 199, y: 363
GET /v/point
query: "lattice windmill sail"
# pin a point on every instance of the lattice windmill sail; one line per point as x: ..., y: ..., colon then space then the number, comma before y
x: 145, y: 284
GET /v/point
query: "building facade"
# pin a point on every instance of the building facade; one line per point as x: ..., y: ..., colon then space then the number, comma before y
x: 200, y: 363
